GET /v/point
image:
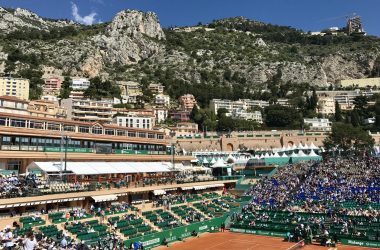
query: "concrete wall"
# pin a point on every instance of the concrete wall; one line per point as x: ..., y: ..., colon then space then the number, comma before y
x: 256, y: 140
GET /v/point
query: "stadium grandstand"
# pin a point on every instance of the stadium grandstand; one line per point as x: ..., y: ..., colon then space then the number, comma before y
x: 91, y: 186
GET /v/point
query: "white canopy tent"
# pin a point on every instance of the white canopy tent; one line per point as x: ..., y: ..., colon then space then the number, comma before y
x: 98, y: 168
x: 301, y: 153
x: 231, y: 158
x: 312, y: 146
x: 293, y: 155
x: 219, y: 164
x: 284, y: 155
x: 312, y: 153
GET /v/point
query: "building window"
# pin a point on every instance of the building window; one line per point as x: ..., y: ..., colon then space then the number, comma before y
x: 6, y: 140
x: 24, y: 141
x: 151, y: 136
x: 3, y: 121
x: 97, y: 130
x: 160, y: 136
x: 36, y: 125
x: 84, y: 129
x: 54, y: 126
x: 18, y: 123
x: 121, y: 132
x: 110, y: 132
x: 131, y: 134
x: 69, y: 128
x: 14, y: 165
x: 49, y: 142
x: 142, y: 135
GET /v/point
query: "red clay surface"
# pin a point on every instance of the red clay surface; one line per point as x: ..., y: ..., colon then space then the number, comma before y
x: 237, y: 241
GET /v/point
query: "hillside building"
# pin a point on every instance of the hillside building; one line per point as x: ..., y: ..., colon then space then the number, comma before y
x: 133, y: 120
x: 187, y: 102
x: 86, y: 110
x: 317, y: 124
x: 78, y: 83
x: 17, y: 87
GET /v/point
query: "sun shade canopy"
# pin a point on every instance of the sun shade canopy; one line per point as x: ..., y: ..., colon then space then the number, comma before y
x: 98, y: 168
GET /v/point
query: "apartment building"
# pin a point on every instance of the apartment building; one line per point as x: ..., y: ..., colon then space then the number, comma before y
x: 185, y: 129
x: 162, y: 100
x: 345, y: 98
x: 17, y: 87
x: 245, y: 104
x: 86, y: 110
x: 246, y: 115
x: 76, y: 95
x: 14, y: 105
x: 79, y: 83
x: 134, y: 120
x: 360, y: 83
x: 317, y: 124
x: 187, y: 102
x: 326, y: 105
x: 52, y: 85
x: 179, y: 115
x: 156, y: 88
x: 130, y: 88
x: 48, y: 109
x: 161, y: 114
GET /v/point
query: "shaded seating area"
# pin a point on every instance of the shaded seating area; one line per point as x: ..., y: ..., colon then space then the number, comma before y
x: 90, y: 232
x: 31, y: 221
x: 162, y: 219
x: 188, y: 214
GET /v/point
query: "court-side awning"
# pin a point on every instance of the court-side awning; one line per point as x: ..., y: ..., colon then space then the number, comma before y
x: 159, y: 192
x: 41, y: 202
x: 101, y: 198
x: 97, y: 168
x: 187, y: 188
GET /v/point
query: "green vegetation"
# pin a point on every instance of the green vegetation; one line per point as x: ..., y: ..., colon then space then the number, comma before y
x: 65, y: 88
x: 347, y: 137
x: 102, y: 89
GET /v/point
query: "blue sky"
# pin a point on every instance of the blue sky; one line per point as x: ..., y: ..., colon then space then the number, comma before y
x: 309, y: 15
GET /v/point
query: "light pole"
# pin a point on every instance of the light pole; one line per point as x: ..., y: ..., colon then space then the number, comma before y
x: 66, y: 138
x: 172, y: 134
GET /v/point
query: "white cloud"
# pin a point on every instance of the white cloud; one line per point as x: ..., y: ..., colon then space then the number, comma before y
x: 88, y: 20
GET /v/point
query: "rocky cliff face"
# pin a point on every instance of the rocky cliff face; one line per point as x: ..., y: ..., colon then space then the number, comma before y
x: 133, y: 44
x: 11, y: 20
x: 130, y: 37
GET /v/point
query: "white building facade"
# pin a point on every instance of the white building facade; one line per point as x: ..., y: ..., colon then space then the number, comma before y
x: 78, y: 83
x: 134, y: 121
x: 317, y: 124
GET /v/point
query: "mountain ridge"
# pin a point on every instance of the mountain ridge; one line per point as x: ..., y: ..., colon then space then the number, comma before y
x: 231, y: 53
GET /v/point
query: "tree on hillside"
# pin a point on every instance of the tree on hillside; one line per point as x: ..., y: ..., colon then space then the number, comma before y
x: 313, y: 100
x: 35, y: 82
x: 347, y: 137
x: 65, y: 88
x: 355, y: 118
x: 99, y: 89
x: 338, y: 112
x: 282, y: 117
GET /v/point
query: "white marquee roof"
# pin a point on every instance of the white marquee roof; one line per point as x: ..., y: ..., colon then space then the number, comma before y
x: 96, y: 168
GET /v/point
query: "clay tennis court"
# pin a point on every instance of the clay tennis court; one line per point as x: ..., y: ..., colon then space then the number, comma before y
x: 237, y: 241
